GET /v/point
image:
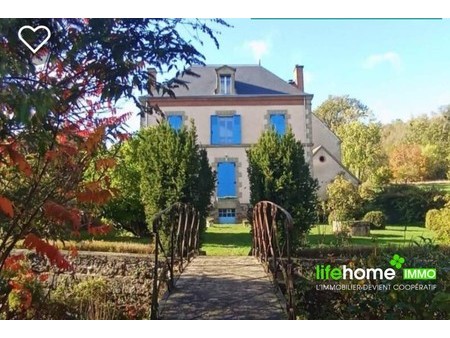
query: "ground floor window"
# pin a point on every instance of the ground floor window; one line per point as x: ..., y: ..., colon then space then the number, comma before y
x: 227, y: 212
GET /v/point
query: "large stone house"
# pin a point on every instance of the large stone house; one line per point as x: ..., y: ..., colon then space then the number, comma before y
x: 231, y: 106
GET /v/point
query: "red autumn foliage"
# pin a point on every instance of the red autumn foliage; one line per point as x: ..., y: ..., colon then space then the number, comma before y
x: 94, y: 139
x: 43, y: 277
x: 105, y: 163
x: 13, y: 262
x: 99, y: 230
x: 61, y: 215
x: 18, y: 159
x: 45, y: 249
x: 6, y: 207
x: 97, y: 197
x: 73, y: 251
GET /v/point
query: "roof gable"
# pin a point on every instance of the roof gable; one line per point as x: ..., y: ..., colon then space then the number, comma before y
x: 319, y: 149
x: 225, y: 68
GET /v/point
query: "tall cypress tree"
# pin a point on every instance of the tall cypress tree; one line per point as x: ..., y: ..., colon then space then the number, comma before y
x: 279, y: 173
x: 173, y: 169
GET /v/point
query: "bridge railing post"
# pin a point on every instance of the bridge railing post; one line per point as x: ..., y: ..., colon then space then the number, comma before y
x: 181, y: 235
x: 271, y: 250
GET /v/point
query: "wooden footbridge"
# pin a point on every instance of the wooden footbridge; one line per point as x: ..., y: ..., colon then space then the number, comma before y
x: 222, y: 287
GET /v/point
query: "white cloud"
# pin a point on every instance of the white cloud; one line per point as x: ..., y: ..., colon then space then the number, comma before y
x: 390, y: 57
x: 258, y: 48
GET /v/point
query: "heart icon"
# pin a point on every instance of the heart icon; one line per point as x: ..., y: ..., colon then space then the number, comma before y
x: 34, y: 30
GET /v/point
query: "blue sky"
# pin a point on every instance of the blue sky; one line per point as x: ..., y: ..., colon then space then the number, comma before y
x: 399, y: 68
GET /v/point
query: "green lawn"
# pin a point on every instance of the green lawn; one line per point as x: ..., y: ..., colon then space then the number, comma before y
x: 227, y: 240
x: 392, y: 235
x: 235, y: 239
x: 442, y: 186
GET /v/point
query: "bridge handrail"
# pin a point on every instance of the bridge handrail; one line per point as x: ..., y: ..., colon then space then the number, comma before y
x: 271, y: 250
x: 182, y: 237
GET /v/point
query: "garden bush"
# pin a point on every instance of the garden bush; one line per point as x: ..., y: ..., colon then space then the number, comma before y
x: 431, y: 219
x: 377, y: 218
x: 439, y: 222
x: 407, y: 203
x: 343, y: 199
x: 21, y: 290
x: 336, y: 215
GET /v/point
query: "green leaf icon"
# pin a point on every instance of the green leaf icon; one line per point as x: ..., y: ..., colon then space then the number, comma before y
x: 397, y: 261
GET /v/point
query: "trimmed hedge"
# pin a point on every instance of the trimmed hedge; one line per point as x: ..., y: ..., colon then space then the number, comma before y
x: 377, y: 218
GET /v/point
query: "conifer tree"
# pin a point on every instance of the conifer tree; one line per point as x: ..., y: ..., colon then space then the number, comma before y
x: 173, y: 169
x: 279, y: 173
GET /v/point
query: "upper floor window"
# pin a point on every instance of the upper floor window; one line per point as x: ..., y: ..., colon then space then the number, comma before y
x: 175, y: 121
x: 225, y: 84
x: 225, y: 129
x: 278, y: 122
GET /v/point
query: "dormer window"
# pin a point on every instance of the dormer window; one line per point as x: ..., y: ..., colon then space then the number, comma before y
x: 225, y: 84
x: 225, y: 80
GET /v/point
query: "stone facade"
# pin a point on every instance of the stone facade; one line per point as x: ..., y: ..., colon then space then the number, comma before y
x: 256, y: 94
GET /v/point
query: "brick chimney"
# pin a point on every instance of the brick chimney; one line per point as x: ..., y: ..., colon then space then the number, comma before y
x: 152, y: 79
x: 298, y: 77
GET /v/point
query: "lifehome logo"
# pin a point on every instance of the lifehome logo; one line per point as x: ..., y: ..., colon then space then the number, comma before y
x: 324, y: 272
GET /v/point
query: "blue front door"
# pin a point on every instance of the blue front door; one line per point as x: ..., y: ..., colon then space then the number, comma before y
x: 226, y: 179
x: 226, y: 188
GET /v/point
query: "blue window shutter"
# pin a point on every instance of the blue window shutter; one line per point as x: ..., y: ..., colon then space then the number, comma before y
x: 214, y: 129
x: 175, y: 121
x: 237, y: 129
x: 279, y: 123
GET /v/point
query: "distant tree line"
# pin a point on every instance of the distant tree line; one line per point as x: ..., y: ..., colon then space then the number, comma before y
x: 399, y: 152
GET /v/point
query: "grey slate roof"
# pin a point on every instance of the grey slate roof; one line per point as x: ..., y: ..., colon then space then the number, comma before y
x: 250, y: 80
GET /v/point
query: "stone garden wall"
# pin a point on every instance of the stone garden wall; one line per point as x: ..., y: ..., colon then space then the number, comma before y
x: 128, y: 276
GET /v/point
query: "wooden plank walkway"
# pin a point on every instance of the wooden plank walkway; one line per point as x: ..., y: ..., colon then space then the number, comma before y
x: 232, y: 287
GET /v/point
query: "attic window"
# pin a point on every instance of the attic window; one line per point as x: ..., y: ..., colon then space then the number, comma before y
x: 225, y: 84
x: 225, y: 80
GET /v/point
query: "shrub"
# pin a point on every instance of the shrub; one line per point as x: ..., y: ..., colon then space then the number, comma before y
x: 407, y: 203
x: 343, y: 198
x: 87, y: 299
x: 21, y: 289
x: 439, y: 221
x: 377, y: 218
x: 336, y: 215
x: 431, y: 219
